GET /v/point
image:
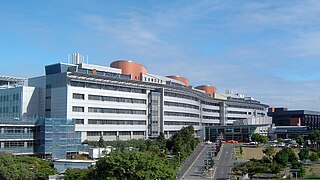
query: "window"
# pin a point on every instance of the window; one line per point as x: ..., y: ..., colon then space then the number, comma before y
x: 124, y: 133
x: 110, y: 133
x: 115, y: 111
x: 77, y: 109
x: 94, y: 133
x: 78, y: 96
x: 79, y: 121
x: 138, y: 132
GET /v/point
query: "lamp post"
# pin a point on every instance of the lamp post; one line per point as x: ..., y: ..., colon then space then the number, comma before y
x: 179, y: 157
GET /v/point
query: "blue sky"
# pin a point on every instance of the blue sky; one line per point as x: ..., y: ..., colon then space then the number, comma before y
x: 269, y: 50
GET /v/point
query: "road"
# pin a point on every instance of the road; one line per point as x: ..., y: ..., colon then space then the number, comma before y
x: 224, y: 163
x: 193, y: 167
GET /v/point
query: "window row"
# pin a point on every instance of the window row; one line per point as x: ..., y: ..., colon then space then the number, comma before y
x: 183, y: 96
x: 210, y: 117
x: 236, y: 112
x: 181, y: 123
x: 210, y: 110
x: 115, y: 111
x: 14, y: 109
x: 107, y: 87
x: 168, y: 113
x: 17, y: 143
x: 191, y: 106
x: 13, y: 129
x: 209, y: 103
x: 117, y: 99
x: 244, y: 106
x: 113, y: 133
x: 117, y: 122
x: 5, y: 98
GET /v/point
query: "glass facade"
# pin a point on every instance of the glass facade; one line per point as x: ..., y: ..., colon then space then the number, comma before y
x: 44, y: 137
x: 239, y: 133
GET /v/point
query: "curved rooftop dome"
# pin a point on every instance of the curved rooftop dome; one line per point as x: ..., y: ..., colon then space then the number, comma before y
x: 185, y: 81
x: 130, y: 67
x: 209, y: 90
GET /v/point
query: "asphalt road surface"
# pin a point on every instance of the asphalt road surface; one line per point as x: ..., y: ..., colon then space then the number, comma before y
x: 224, y: 163
x: 193, y: 167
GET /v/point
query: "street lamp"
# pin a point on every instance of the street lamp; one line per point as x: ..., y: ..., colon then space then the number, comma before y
x: 179, y: 157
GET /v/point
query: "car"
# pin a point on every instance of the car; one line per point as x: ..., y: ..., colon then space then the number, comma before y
x: 273, y: 145
x: 208, y: 142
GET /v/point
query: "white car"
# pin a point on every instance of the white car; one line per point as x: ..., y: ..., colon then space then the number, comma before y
x: 208, y: 142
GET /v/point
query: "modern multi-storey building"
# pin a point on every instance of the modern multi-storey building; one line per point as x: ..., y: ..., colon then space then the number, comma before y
x: 124, y: 101
x: 291, y: 123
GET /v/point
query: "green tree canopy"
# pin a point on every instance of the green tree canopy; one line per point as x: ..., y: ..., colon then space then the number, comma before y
x: 315, y: 137
x: 285, y: 156
x: 314, y: 157
x: 299, y: 140
x: 303, y: 154
x: 76, y: 174
x: 269, y: 151
x: 132, y: 165
x: 259, y: 138
x: 24, y: 167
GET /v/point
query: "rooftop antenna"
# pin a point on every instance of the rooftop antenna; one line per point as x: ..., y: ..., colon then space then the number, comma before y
x: 87, y: 59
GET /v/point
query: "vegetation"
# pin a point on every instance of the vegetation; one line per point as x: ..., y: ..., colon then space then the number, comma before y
x: 271, y: 163
x: 141, y: 159
x: 314, y: 157
x: 304, y: 154
x: 24, y: 167
x: 77, y: 174
x: 315, y: 138
x: 259, y: 138
x: 299, y: 140
x: 132, y: 165
x: 269, y: 151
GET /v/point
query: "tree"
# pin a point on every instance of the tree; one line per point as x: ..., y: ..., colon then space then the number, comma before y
x: 161, y: 140
x: 255, y: 137
x: 24, y: 167
x: 285, y: 156
x: 101, y: 141
x: 314, y: 157
x: 280, y: 140
x: 315, y: 137
x: 241, y: 150
x: 269, y: 151
x: 303, y: 154
x: 76, y: 174
x: 299, y: 140
x: 259, y: 138
x: 132, y: 165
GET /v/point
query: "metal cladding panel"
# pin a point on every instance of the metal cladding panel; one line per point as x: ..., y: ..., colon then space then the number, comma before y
x: 129, y: 67
x: 184, y: 80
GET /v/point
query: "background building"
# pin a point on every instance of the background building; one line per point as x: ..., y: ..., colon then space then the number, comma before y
x: 124, y: 101
x: 291, y: 123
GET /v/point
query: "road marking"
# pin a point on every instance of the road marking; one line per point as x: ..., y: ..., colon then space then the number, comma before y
x: 193, y: 163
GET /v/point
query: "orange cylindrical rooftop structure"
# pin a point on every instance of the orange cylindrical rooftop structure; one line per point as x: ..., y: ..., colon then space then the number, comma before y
x: 185, y: 81
x: 130, y: 67
x: 209, y: 90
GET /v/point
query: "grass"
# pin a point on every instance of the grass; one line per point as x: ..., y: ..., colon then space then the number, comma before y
x: 312, y: 171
